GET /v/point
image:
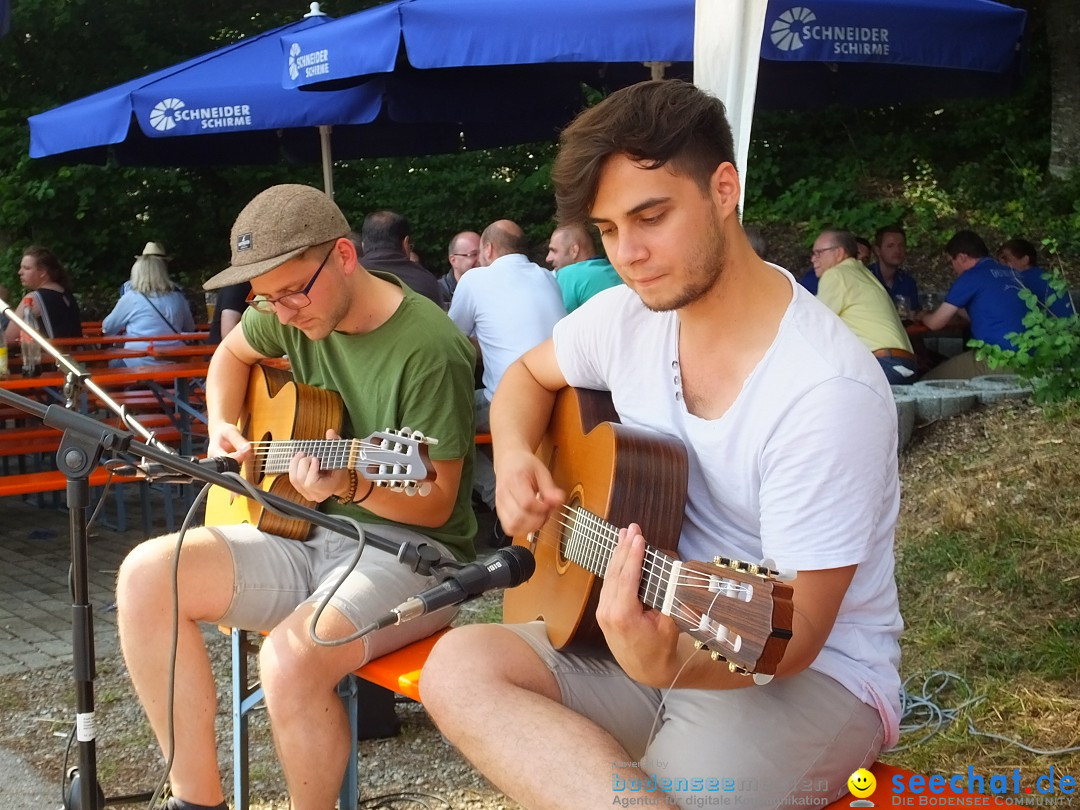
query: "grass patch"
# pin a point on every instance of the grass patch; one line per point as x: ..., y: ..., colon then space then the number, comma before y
x: 987, y: 547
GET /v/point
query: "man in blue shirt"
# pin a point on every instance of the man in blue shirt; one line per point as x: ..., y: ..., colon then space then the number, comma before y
x: 1021, y: 256
x: 988, y: 293
x: 890, y: 245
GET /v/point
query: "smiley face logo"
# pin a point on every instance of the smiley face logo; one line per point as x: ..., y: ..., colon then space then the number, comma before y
x: 862, y: 783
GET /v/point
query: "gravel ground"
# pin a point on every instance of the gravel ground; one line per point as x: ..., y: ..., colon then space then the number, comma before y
x: 37, y: 709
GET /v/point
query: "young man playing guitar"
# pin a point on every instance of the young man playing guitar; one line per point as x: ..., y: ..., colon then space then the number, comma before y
x: 395, y: 360
x: 790, y: 429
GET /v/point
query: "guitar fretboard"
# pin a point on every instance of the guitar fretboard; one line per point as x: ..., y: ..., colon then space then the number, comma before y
x: 590, y: 542
x: 333, y: 454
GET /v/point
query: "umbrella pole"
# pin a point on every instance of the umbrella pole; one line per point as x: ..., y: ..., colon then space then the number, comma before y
x: 327, y: 160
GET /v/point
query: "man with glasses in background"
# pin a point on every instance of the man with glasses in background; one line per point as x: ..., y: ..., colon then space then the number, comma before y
x: 396, y: 360
x: 464, y: 255
x: 847, y: 288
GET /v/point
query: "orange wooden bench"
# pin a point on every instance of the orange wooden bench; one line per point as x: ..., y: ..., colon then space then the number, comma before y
x: 399, y: 672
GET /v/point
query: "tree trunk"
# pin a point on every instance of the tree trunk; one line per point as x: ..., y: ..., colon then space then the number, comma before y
x: 1063, y: 32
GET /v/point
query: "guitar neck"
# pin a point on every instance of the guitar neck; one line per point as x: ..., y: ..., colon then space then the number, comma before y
x: 590, y: 542
x: 333, y: 454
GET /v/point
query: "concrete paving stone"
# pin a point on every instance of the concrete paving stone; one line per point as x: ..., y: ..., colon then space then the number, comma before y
x: 55, y: 648
x: 15, y: 646
x: 12, y: 669
x: 31, y: 599
x: 35, y: 660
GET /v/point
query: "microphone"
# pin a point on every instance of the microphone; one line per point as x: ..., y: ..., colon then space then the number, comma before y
x: 505, y: 568
x: 159, y: 472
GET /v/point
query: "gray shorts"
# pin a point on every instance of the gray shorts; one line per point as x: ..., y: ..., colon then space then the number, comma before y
x: 799, y: 737
x: 273, y: 576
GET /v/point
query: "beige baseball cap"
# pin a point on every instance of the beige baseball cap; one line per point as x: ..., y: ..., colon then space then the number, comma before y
x: 279, y: 224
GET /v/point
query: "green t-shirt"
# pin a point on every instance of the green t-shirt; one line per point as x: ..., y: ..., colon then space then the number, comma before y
x: 415, y: 371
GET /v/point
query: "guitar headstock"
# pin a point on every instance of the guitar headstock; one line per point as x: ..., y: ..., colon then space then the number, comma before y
x: 738, y: 611
x: 397, y: 459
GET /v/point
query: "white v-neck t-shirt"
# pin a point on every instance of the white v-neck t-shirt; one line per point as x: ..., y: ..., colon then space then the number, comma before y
x: 801, y: 470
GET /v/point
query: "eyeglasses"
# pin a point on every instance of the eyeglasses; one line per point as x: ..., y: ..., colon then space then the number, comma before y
x: 818, y: 251
x: 471, y: 255
x: 292, y: 300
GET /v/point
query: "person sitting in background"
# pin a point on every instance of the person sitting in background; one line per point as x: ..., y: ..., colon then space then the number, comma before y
x: 1021, y: 256
x: 50, y: 296
x: 506, y: 306
x: 581, y: 273
x: 150, y: 305
x: 569, y: 244
x: 463, y: 253
x: 988, y: 294
x: 847, y: 288
x: 4, y: 297
x: 231, y: 303
x: 891, y: 248
x: 866, y: 252
x: 386, y: 247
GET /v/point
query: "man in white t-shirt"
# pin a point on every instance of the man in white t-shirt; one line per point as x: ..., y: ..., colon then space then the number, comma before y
x: 790, y: 429
x: 506, y: 305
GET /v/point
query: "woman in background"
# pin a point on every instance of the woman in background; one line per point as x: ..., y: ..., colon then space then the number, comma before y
x: 150, y: 305
x: 49, y: 295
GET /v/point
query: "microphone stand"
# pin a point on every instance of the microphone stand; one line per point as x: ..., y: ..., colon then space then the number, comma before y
x: 84, y: 440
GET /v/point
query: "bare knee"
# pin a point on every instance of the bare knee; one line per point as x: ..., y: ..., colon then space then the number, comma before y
x: 481, y: 657
x: 144, y: 583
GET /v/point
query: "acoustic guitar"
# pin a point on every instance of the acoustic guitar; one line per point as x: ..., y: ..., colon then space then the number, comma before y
x: 282, y: 417
x: 615, y: 475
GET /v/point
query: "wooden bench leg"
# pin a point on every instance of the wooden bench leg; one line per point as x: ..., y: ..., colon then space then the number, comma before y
x: 350, y: 784
x: 244, y: 697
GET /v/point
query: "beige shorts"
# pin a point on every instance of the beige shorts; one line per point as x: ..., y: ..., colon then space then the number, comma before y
x: 796, y: 738
x: 275, y: 575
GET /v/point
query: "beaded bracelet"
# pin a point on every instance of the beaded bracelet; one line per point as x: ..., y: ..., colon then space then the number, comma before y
x: 353, y: 482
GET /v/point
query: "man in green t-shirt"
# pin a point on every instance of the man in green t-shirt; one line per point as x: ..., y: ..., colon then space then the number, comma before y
x: 396, y: 360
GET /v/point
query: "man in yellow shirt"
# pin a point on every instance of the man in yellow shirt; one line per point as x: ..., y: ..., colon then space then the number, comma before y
x: 847, y: 288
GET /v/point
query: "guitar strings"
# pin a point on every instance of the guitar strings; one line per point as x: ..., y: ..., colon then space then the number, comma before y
x: 334, y: 451
x: 584, y: 527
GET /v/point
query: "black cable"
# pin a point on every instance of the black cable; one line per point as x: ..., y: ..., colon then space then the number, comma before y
x: 159, y: 792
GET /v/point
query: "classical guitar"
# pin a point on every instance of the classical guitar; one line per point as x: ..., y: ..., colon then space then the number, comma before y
x: 282, y: 417
x: 614, y: 475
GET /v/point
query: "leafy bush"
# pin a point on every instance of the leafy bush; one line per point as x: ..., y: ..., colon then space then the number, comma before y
x: 1047, y: 353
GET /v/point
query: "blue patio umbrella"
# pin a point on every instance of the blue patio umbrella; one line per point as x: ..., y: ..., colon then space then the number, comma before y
x: 228, y: 107
x: 972, y: 39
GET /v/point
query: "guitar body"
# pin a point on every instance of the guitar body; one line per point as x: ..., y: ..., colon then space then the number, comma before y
x: 276, y: 408
x: 619, y: 473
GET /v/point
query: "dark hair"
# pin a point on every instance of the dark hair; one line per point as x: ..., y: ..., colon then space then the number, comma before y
x: 968, y: 243
x: 879, y: 234
x: 659, y: 123
x: 47, y: 261
x: 862, y: 240
x: 1020, y: 248
x: 384, y: 230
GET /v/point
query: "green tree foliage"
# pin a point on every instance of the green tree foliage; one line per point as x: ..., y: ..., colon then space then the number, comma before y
x: 1047, y: 352
x: 935, y: 168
